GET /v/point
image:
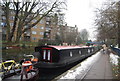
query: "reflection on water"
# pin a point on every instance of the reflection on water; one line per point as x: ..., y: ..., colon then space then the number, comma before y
x: 17, y: 55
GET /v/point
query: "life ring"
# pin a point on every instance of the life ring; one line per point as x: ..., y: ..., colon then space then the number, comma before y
x: 34, y: 60
x: 27, y: 65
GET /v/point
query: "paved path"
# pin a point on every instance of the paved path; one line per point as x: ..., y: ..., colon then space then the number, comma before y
x: 101, y: 69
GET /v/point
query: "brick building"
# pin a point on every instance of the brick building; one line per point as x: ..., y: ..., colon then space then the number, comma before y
x: 47, y: 28
x: 43, y: 29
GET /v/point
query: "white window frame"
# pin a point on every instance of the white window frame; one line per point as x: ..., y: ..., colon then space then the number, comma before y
x: 41, y: 33
x: 34, y: 32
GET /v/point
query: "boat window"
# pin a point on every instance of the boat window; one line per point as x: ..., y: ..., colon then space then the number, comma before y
x: 80, y: 52
x: 44, y: 54
x: 71, y: 54
x: 92, y: 50
x: 48, y: 54
x: 88, y: 50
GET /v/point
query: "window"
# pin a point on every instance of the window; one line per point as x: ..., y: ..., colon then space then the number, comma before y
x: 47, y: 22
x: 4, y: 31
x: 12, y: 17
x: 26, y: 26
x: 47, y: 28
x: 11, y: 24
x: 35, y: 27
x: 88, y: 50
x: 41, y: 27
x: 34, y: 32
x: 41, y: 33
x: 58, y: 33
x: 44, y: 54
x: 20, y: 38
x: 4, y: 18
x: 3, y: 24
x: 80, y: 52
x: 92, y: 50
x: 27, y: 33
x: 47, y: 33
x: 47, y: 55
x: 41, y: 22
x: 34, y: 20
x: 71, y: 54
x: 34, y: 38
x: 58, y: 29
x: 47, y: 18
x: 12, y: 12
x: 54, y: 23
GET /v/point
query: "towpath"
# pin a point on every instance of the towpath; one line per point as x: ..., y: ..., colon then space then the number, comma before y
x: 101, y: 69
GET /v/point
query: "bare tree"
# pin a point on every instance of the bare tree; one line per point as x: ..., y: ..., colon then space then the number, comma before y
x: 71, y: 37
x: 107, y: 23
x: 84, y: 35
x: 25, y: 12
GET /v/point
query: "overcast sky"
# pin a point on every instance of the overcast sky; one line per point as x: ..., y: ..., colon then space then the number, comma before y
x: 82, y: 14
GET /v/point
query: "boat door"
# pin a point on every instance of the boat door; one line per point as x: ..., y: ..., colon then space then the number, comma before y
x: 47, y: 54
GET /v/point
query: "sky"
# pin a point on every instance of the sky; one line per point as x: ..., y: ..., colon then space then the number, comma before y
x: 82, y: 13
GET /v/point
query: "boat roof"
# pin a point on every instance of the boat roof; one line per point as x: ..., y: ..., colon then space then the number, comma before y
x: 66, y: 47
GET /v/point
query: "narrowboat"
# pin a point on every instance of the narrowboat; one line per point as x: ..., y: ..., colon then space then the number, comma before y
x: 60, y: 56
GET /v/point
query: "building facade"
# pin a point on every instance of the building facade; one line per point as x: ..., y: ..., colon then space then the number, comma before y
x: 47, y: 28
x: 44, y: 29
